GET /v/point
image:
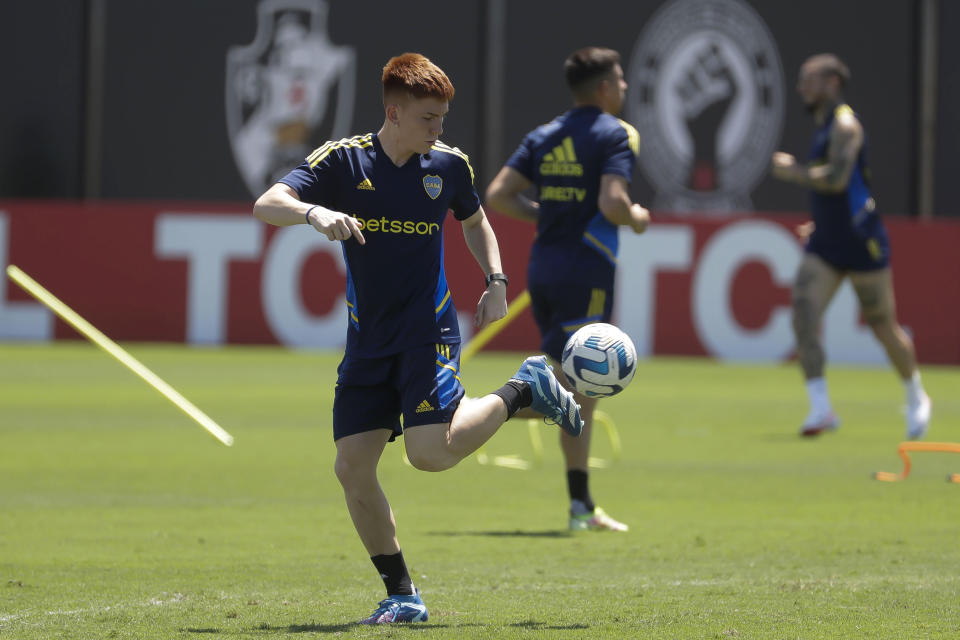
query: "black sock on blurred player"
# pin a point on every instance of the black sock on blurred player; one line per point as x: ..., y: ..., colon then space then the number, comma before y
x: 578, y: 488
x: 516, y: 395
x: 393, y: 570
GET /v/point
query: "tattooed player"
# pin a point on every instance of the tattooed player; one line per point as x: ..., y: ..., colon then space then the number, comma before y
x: 845, y: 239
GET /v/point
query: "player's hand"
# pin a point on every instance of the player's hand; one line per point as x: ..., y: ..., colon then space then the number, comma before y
x: 639, y: 218
x: 783, y: 165
x: 335, y: 225
x: 805, y: 230
x: 492, y: 305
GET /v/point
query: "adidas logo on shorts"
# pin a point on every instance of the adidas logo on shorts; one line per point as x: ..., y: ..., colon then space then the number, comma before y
x: 424, y: 406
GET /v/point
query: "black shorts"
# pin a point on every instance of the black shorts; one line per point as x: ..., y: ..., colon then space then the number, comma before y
x: 867, y: 249
x: 561, y: 309
x: 421, y: 385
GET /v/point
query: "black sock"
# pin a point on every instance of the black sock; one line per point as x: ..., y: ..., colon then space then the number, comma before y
x: 393, y: 570
x: 516, y: 395
x: 578, y: 488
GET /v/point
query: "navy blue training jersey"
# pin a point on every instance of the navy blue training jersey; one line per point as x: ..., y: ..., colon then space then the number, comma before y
x: 846, y: 222
x: 836, y: 213
x: 397, y: 294
x: 565, y: 159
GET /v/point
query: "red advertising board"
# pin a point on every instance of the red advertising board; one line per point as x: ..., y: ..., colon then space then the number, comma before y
x: 212, y: 274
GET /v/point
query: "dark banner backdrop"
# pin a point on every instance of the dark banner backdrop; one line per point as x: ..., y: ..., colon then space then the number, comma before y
x: 166, y: 97
x: 171, y: 100
x: 41, y: 98
x: 878, y: 46
x: 946, y: 185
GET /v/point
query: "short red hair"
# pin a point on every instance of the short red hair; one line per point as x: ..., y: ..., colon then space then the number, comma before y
x: 414, y: 74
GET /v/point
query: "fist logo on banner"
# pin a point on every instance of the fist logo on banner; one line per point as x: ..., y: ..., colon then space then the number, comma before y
x: 288, y: 91
x: 707, y: 96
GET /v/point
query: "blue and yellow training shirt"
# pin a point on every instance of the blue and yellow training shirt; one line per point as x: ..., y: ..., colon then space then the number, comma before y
x: 848, y: 230
x: 838, y: 214
x: 397, y: 295
x: 565, y: 159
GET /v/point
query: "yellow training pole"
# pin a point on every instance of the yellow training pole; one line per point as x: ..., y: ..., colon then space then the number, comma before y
x: 94, y: 335
x: 903, y: 450
x: 485, y: 335
x: 488, y: 333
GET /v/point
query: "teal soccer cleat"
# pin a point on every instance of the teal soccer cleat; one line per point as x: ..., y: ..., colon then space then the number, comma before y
x: 549, y: 398
x: 399, y: 609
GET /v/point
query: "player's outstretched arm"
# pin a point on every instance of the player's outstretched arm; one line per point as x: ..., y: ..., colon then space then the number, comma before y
x: 505, y: 194
x: 281, y: 206
x: 480, y: 239
x: 616, y: 206
x: 846, y: 138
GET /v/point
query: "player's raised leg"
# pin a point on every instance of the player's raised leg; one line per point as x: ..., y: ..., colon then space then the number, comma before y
x: 814, y: 287
x: 439, y: 446
x: 875, y: 292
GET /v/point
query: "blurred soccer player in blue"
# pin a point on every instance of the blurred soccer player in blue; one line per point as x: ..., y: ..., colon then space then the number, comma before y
x: 845, y: 239
x: 385, y: 197
x: 580, y: 165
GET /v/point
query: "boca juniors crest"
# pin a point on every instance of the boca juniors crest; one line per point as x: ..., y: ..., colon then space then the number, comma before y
x: 433, y: 186
x: 287, y: 91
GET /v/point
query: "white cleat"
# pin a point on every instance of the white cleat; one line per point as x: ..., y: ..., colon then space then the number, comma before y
x: 918, y: 417
x: 817, y: 423
x: 599, y: 520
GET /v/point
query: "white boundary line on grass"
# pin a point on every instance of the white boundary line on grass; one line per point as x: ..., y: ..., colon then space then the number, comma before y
x: 71, y: 612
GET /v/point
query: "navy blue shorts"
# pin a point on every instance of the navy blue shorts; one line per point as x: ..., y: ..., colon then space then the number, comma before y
x: 561, y: 309
x: 421, y: 384
x: 866, y: 250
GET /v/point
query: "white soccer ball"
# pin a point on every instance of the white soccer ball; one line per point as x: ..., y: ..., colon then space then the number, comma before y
x: 599, y: 360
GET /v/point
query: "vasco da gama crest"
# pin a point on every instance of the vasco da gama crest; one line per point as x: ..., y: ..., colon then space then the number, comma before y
x: 288, y: 91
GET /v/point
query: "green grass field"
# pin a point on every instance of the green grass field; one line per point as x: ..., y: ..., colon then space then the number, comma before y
x: 121, y: 518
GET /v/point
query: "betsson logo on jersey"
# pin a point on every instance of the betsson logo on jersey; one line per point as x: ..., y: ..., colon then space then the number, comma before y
x: 406, y: 227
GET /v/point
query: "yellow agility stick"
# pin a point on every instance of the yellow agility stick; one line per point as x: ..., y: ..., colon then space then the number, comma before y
x: 485, y: 335
x: 903, y: 450
x: 94, y: 335
x: 604, y: 419
x: 479, y: 341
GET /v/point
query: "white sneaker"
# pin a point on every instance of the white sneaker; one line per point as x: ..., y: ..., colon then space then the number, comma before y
x: 918, y: 417
x: 599, y: 520
x: 817, y: 422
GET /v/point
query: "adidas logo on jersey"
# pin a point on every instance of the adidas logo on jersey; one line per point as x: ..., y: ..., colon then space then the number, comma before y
x: 366, y: 185
x: 424, y: 406
x: 562, y: 161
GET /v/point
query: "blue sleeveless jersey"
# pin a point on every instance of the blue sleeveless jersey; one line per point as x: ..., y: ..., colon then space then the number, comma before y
x: 565, y: 160
x: 848, y: 231
x: 396, y: 294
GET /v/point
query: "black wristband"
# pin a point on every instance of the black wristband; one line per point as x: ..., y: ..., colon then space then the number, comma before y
x: 502, y: 277
x: 307, y: 214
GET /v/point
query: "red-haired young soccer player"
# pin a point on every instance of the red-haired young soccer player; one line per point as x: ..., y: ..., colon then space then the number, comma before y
x: 384, y: 196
